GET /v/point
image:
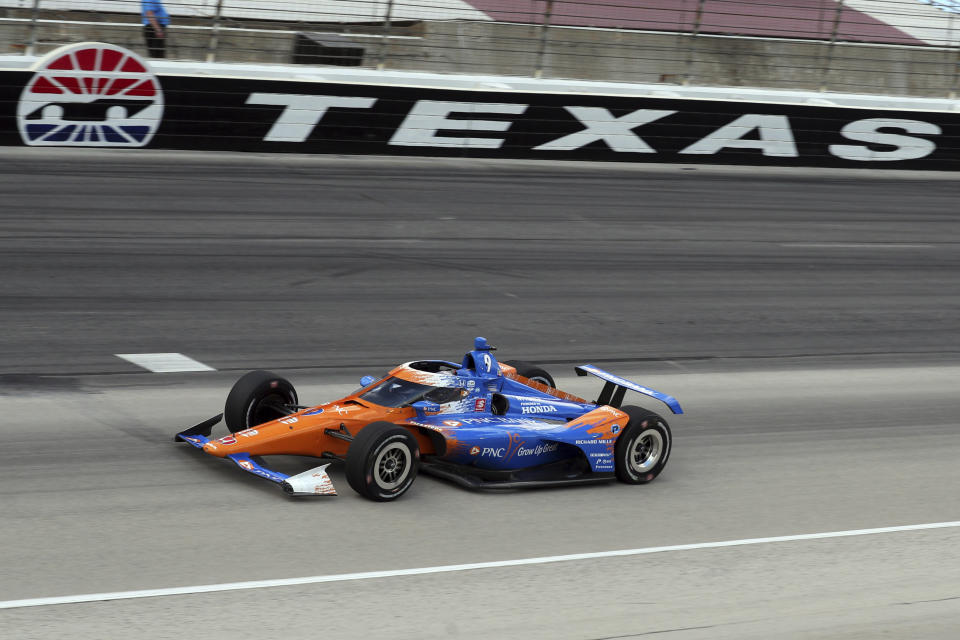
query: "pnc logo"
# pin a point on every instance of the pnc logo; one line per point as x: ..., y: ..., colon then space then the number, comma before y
x: 90, y: 95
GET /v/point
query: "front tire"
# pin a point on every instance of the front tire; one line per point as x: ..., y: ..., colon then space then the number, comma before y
x: 258, y: 397
x: 533, y: 372
x: 643, y: 448
x: 382, y: 461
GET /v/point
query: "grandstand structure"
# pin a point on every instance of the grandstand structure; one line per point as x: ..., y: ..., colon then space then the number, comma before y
x: 903, y: 47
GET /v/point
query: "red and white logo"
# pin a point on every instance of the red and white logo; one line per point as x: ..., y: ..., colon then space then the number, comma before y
x: 90, y: 95
x: 475, y: 451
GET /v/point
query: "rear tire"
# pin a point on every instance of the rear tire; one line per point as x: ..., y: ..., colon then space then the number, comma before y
x: 643, y: 448
x: 382, y: 461
x: 533, y: 372
x: 258, y: 397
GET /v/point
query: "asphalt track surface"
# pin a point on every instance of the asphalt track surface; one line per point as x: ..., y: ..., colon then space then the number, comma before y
x: 807, y: 320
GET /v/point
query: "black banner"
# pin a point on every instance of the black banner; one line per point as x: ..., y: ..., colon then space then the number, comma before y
x: 217, y: 113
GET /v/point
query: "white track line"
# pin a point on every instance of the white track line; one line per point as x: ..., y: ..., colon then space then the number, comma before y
x: 371, y: 575
x: 164, y: 362
x: 855, y: 245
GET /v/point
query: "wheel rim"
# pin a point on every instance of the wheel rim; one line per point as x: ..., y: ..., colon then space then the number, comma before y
x: 392, y: 466
x: 541, y: 380
x: 645, y: 451
x: 268, y: 409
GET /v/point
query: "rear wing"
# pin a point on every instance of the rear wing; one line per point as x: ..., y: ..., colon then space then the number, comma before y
x: 615, y: 388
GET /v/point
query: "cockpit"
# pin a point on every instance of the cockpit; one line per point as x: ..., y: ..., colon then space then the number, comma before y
x: 397, y: 392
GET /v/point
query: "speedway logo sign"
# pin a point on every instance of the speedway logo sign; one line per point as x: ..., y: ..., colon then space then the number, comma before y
x: 90, y: 95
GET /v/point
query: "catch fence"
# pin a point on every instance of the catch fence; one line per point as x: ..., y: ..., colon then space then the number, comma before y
x: 896, y: 47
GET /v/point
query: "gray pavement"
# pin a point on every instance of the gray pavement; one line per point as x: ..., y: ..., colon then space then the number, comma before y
x: 98, y: 499
x: 807, y: 322
x: 323, y: 262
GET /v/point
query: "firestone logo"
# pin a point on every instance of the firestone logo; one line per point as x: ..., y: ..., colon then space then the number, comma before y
x: 90, y: 95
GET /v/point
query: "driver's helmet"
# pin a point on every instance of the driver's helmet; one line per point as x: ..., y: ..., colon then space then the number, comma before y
x: 445, y: 395
x: 449, y: 390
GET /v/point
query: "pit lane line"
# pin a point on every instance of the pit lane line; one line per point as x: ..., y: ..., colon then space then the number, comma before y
x: 369, y: 575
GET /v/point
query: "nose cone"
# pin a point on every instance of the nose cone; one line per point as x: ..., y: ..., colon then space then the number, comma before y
x: 221, y: 446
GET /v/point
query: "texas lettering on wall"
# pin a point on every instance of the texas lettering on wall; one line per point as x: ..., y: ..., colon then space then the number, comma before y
x: 431, y: 123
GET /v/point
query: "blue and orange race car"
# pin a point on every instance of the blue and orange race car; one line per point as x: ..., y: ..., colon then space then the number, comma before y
x: 480, y: 423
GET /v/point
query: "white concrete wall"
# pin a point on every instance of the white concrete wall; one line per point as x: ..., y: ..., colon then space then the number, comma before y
x: 527, y: 85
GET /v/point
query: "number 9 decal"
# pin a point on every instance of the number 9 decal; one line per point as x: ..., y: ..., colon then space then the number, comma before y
x: 487, y: 362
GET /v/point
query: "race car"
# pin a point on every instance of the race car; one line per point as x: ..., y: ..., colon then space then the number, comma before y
x: 480, y: 423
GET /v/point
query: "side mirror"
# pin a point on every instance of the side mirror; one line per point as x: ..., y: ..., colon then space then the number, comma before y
x: 367, y: 380
x: 425, y: 406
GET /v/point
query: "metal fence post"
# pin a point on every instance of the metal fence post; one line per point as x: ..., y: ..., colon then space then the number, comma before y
x: 697, y: 25
x: 544, y: 34
x: 384, y: 40
x: 951, y: 39
x: 214, y: 43
x: 837, y: 17
x: 31, y: 48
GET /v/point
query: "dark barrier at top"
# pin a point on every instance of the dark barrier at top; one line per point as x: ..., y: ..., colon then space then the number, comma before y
x: 47, y: 107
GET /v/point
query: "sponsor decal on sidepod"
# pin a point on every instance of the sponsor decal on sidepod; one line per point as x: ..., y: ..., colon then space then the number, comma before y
x: 540, y: 448
x: 539, y: 408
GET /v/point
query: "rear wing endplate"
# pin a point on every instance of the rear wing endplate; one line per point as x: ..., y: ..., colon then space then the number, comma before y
x: 615, y: 388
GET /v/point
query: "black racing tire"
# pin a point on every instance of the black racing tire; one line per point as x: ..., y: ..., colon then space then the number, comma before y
x: 643, y: 447
x: 382, y: 461
x: 533, y: 372
x: 258, y: 397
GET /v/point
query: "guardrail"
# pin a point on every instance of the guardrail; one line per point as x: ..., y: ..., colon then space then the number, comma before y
x: 895, y: 47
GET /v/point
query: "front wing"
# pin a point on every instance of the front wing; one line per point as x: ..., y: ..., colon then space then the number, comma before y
x: 313, y: 482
